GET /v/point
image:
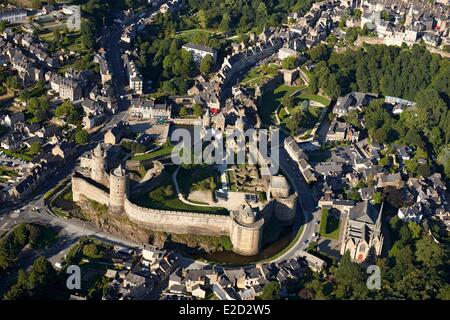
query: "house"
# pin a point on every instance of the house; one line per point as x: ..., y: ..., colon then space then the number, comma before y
x: 224, y: 293
x: 68, y: 89
x: 294, y: 151
x: 135, y: 79
x: 200, y: 51
x: 247, y: 294
x: 116, y: 133
x: 367, y: 193
x: 12, y: 15
x: 11, y: 119
x: 390, y: 180
x: 352, y: 101
x: 363, y: 231
x: 237, y: 277
x: 11, y: 142
x: 152, y: 253
x: 314, y: 263
x: 284, y: 53
x: 411, y: 213
x: 63, y: 149
x: 198, y: 292
x: 111, y: 274
x: 148, y: 109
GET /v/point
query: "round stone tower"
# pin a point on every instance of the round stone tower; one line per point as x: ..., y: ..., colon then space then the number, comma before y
x: 246, y: 231
x: 118, y: 189
x: 98, y: 164
x: 284, y: 201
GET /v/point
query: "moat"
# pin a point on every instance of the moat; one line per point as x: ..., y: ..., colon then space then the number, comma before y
x: 276, y: 239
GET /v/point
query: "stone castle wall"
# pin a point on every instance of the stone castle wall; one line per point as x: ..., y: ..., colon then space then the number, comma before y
x: 82, y: 187
x: 179, y: 222
x: 246, y: 239
x: 285, y: 208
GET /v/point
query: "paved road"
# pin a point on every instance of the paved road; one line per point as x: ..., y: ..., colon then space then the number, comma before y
x: 307, y: 213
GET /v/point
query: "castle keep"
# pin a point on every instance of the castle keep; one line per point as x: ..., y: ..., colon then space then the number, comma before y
x: 112, y: 187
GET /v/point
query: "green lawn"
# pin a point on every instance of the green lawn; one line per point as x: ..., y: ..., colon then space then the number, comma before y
x: 312, y: 116
x: 199, y: 178
x: 329, y: 226
x: 164, y: 198
x: 259, y: 75
x: 16, y: 154
x: 314, y: 97
x: 164, y: 151
x: 272, y: 99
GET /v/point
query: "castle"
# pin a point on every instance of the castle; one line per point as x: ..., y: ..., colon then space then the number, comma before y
x: 97, y: 181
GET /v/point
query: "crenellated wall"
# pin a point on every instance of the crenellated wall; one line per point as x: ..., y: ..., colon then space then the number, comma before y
x: 178, y: 222
x: 83, y: 187
x: 246, y: 238
x: 285, y: 208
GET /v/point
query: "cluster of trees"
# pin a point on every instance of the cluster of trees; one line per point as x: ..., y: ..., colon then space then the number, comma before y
x: 414, y: 74
x: 99, y: 14
x: 39, y: 108
x: 134, y: 147
x: 68, y: 111
x: 243, y: 15
x: 35, y: 284
x: 415, y: 269
x: 161, y: 59
x: 15, y: 241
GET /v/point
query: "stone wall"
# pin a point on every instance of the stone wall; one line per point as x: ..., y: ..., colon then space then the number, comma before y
x: 285, y: 208
x: 246, y: 239
x: 82, y: 187
x: 179, y: 222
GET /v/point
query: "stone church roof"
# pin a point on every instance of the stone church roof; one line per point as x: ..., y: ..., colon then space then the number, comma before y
x: 364, y: 212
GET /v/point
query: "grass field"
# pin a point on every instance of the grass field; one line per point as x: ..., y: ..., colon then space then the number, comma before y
x: 329, y: 226
x: 164, y: 151
x: 165, y: 198
x: 259, y: 75
x: 272, y: 99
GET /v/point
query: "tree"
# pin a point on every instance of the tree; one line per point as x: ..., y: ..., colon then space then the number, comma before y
x: 87, y: 34
x: 184, y: 112
x: 39, y: 108
x: 68, y: 111
x: 415, y: 228
x: 377, y: 198
x: 34, y: 149
x: 81, y: 136
x: 225, y: 23
x: 3, y: 25
x: 19, y: 290
x: 429, y: 252
x: 295, y: 121
x: 206, y: 65
x: 271, y: 291
x: 287, y: 101
x: 348, y: 275
x: 197, y: 110
x: 41, y: 277
x: 202, y: 19
x: 12, y: 83
x: 289, y: 63
x: 92, y: 251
